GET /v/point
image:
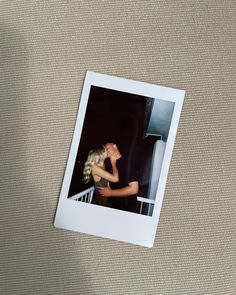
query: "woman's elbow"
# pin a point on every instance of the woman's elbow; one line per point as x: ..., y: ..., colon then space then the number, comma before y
x: 115, y: 179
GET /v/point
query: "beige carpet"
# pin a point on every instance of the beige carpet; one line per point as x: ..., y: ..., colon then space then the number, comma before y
x: 46, y: 48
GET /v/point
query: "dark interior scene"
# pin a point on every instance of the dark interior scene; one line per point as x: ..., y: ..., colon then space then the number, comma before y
x: 130, y: 121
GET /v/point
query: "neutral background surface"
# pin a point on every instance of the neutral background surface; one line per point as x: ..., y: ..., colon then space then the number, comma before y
x: 46, y: 48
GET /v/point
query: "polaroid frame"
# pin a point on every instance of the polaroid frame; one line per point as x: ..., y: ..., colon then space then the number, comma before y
x: 108, y: 222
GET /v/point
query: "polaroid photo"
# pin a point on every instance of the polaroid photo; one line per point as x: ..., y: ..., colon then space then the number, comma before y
x: 119, y: 159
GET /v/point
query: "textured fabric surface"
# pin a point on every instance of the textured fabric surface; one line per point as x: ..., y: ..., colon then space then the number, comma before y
x: 46, y: 48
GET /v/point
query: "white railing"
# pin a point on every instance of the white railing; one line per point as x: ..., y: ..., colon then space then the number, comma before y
x: 84, y: 196
x: 87, y: 196
x: 146, y: 201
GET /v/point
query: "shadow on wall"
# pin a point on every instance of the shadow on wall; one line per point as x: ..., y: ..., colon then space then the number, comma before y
x: 161, y: 117
x: 28, y: 237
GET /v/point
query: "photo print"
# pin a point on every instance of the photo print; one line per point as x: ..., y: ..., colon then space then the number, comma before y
x: 119, y: 159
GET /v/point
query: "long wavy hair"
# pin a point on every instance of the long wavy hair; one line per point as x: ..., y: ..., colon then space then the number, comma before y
x: 94, y: 157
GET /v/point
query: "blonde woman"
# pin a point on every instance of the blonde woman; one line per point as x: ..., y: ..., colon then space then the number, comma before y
x: 94, y: 170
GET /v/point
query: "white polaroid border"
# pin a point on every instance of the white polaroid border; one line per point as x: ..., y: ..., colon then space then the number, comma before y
x: 108, y: 222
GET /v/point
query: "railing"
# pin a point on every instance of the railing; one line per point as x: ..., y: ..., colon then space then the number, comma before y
x: 84, y: 196
x: 146, y: 201
x: 87, y: 196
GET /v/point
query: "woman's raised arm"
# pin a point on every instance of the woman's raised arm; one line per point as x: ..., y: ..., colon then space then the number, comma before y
x: 112, y: 177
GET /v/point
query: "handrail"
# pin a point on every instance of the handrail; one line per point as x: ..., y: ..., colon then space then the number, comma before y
x: 82, y: 194
x: 145, y: 200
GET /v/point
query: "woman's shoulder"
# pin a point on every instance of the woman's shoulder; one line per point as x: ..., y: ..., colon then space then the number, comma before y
x: 96, y: 167
x: 95, y: 177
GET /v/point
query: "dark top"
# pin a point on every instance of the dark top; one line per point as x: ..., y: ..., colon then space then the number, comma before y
x: 97, y: 198
x: 101, y: 183
x: 127, y: 173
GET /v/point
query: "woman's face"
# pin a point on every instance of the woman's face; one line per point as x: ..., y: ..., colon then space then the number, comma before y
x: 105, y: 154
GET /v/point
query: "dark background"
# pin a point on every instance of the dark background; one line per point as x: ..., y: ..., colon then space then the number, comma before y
x: 111, y: 116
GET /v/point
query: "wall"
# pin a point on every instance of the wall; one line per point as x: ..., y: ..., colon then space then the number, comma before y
x: 161, y: 116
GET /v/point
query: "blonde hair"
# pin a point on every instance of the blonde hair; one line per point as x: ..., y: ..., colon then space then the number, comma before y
x: 94, y: 157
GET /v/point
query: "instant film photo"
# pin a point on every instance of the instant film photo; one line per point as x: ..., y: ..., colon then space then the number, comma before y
x: 119, y: 159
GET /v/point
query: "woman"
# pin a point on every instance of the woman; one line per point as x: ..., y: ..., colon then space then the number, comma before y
x: 94, y: 169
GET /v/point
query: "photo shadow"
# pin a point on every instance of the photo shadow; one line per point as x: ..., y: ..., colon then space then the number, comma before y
x: 31, y: 248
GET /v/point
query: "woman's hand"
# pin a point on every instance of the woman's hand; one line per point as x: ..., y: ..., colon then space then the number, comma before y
x: 113, y: 151
x: 114, y: 158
